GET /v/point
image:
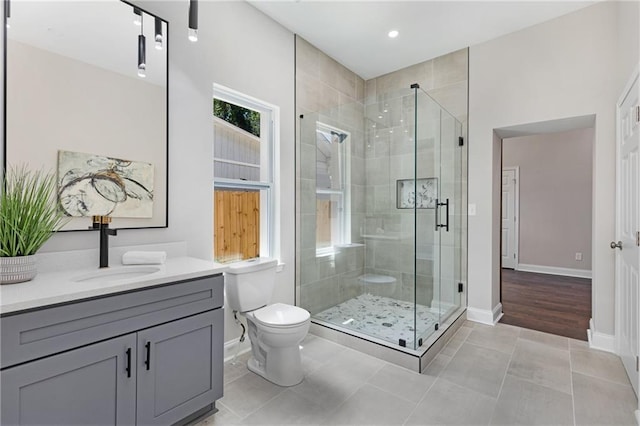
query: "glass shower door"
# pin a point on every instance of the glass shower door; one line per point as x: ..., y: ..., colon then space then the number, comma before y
x: 439, y: 217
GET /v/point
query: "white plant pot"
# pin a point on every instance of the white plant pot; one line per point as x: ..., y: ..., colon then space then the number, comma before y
x: 17, y: 269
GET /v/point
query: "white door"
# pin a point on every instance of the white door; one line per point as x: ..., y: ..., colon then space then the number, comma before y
x: 509, y: 217
x: 627, y: 229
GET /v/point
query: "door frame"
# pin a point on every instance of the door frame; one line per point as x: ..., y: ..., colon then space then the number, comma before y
x: 516, y: 212
x: 617, y: 279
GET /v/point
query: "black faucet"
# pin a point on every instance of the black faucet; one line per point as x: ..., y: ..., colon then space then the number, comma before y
x: 101, y: 223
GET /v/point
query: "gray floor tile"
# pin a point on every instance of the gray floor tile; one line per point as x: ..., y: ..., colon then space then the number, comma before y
x: 402, y: 382
x: 453, y: 345
x: 248, y: 393
x: 558, y: 342
x: 601, y: 402
x: 578, y: 345
x: 331, y: 384
x: 222, y: 417
x: 288, y: 408
x: 541, y: 364
x: 477, y: 368
x: 525, y: 403
x: 449, y: 404
x: 500, y: 337
x: 437, y: 366
x: 370, y: 405
x: 233, y: 371
x: 319, y: 349
x: 599, y: 364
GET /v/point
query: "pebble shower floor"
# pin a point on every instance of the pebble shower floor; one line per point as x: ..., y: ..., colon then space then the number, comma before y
x: 382, y: 317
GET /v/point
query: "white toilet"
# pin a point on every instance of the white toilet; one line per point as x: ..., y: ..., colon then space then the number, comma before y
x: 276, y: 330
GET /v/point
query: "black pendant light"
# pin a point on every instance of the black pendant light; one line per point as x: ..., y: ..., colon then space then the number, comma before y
x: 193, y: 20
x: 142, y: 53
x: 158, y: 33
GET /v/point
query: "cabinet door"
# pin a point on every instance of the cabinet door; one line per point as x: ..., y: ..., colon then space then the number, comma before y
x: 93, y: 385
x: 179, y: 368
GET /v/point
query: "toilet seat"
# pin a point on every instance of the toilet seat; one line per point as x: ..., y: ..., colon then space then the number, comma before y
x: 280, y: 315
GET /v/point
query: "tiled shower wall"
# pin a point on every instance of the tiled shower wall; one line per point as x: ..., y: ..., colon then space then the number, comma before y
x: 328, y: 92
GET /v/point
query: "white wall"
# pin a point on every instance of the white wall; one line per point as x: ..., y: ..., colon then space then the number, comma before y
x: 562, y: 68
x: 241, y: 48
x: 555, y: 197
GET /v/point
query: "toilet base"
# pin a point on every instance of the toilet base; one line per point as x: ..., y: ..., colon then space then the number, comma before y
x: 287, y: 371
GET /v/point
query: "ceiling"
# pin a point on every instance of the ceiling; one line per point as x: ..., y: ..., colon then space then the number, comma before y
x: 355, y: 32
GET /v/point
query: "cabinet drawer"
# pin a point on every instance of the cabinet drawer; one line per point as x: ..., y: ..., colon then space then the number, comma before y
x: 35, y: 334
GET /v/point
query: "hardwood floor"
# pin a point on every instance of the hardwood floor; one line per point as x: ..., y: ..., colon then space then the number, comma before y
x: 550, y: 303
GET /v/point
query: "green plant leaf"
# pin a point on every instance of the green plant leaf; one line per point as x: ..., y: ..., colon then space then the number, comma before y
x: 29, y: 214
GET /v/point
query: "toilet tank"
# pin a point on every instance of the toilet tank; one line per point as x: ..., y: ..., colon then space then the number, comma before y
x: 249, y: 284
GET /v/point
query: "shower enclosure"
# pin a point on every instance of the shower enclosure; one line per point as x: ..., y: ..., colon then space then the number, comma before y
x: 382, y: 228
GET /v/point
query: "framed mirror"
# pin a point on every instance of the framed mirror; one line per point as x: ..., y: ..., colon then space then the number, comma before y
x: 87, y: 98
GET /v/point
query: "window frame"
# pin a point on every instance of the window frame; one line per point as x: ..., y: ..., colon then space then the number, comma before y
x: 269, y: 157
x: 344, y: 222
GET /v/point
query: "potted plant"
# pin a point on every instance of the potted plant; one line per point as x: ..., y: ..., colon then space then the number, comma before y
x: 29, y: 216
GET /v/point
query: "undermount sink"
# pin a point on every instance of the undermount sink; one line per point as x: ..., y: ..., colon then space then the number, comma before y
x: 116, y: 274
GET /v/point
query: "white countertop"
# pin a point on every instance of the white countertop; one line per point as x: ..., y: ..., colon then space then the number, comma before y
x: 49, y: 288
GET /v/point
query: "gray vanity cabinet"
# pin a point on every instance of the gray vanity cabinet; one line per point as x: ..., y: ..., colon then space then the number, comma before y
x: 86, y: 386
x: 177, y: 372
x: 147, y: 357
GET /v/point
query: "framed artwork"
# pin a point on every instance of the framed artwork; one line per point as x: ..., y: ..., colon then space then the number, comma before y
x: 407, y: 197
x: 97, y: 185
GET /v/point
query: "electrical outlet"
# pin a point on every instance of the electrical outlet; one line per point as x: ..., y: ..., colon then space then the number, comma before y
x: 578, y: 256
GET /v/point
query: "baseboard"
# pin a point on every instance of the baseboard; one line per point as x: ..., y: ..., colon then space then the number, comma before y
x: 601, y: 341
x: 231, y: 345
x: 484, y: 316
x: 553, y: 270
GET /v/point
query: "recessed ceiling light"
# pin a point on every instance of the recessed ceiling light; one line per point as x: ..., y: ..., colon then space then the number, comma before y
x: 393, y: 34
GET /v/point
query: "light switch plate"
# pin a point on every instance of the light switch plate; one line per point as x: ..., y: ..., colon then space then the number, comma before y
x: 472, y: 210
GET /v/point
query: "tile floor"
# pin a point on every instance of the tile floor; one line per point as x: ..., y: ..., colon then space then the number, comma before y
x: 501, y: 375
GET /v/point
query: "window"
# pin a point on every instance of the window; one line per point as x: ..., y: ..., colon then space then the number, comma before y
x: 244, y: 176
x: 332, y: 188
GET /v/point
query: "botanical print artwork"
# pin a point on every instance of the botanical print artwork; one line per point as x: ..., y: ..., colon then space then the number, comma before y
x: 423, y: 198
x: 91, y: 185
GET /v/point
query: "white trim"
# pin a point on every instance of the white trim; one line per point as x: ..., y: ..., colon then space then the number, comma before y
x: 601, y: 341
x: 230, y: 347
x: 270, y: 241
x: 554, y: 270
x: 516, y: 213
x: 237, y: 163
x: 638, y: 417
x: 485, y: 316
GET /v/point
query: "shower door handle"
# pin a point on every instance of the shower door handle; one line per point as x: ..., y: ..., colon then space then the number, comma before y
x: 446, y: 224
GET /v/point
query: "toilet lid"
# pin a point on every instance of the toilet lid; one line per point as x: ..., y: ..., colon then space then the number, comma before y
x: 280, y: 314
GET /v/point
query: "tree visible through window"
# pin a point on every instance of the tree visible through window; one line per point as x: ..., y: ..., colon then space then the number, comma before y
x: 241, y: 117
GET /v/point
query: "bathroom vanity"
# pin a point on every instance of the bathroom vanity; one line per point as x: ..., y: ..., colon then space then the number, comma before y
x: 131, y: 345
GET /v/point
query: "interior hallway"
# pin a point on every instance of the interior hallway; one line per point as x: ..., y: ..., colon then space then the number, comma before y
x: 550, y: 303
x: 484, y: 375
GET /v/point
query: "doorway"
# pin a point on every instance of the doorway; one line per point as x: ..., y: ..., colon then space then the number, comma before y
x: 546, y: 207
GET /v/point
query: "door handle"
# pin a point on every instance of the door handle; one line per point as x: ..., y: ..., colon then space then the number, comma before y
x: 128, y: 369
x: 615, y: 245
x: 147, y: 359
x: 446, y: 204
